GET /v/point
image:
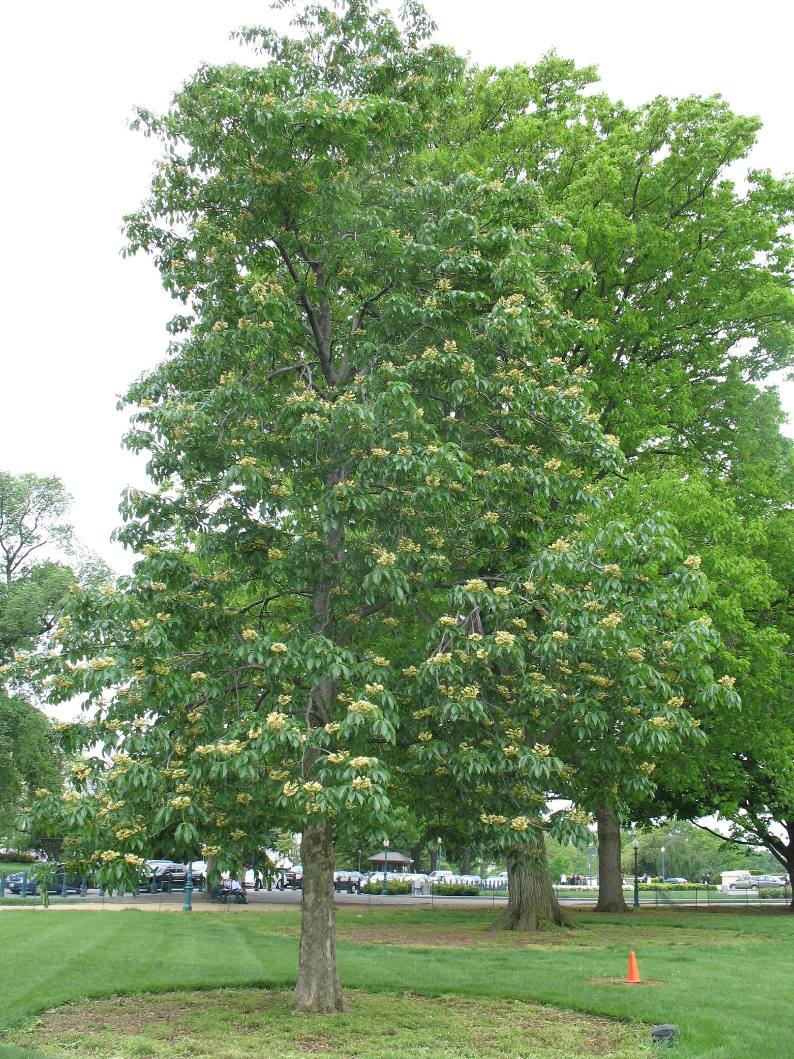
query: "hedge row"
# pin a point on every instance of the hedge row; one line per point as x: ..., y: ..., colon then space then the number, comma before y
x: 393, y: 886
x: 17, y: 858
x: 455, y: 890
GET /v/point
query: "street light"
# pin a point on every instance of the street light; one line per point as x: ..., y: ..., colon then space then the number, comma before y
x: 662, y: 853
x: 590, y: 864
x: 385, y: 865
x: 636, y: 846
x: 438, y: 855
x: 187, y: 900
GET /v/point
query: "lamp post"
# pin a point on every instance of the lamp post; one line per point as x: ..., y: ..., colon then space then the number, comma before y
x: 385, y: 866
x: 636, y: 846
x: 187, y: 900
x: 662, y: 853
x: 590, y: 864
x: 438, y: 854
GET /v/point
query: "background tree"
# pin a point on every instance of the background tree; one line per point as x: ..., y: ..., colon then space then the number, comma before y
x: 690, y: 276
x: 34, y: 581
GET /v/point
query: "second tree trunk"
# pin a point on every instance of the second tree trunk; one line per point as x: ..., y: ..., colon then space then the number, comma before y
x: 531, y: 902
x: 610, y: 872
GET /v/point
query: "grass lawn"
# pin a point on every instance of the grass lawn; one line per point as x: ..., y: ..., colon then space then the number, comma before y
x: 724, y: 977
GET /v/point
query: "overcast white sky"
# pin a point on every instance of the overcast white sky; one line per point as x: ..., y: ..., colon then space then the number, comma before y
x: 79, y: 323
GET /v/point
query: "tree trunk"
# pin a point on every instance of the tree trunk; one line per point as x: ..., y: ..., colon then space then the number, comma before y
x: 211, y: 879
x: 789, y: 856
x: 465, y: 868
x: 416, y: 857
x: 610, y: 874
x: 531, y: 902
x: 433, y: 858
x: 318, y: 988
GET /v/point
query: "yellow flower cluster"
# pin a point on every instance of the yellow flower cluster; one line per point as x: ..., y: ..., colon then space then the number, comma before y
x: 103, y: 662
x: 312, y: 787
x: 339, y: 757
x: 492, y: 818
x: 234, y: 746
x: 636, y: 654
x: 384, y: 558
x: 278, y: 648
x: 276, y: 721
x: 361, y: 783
x: 198, y: 677
x: 363, y: 762
x: 560, y: 545
x: 440, y: 658
x: 520, y: 823
x: 361, y: 706
x: 447, y: 621
x: 612, y: 620
x: 249, y: 634
x: 693, y: 562
x: 476, y: 584
x: 290, y: 789
x: 726, y: 681
x: 541, y: 749
x: 504, y: 639
x: 182, y: 802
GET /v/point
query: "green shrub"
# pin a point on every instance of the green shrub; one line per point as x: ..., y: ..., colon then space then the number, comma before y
x: 456, y: 890
x: 777, y: 891
x: 393, y: 886
x: 17, y: 858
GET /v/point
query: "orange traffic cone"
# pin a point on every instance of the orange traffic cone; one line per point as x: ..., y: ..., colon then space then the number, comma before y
x: 633, y: 977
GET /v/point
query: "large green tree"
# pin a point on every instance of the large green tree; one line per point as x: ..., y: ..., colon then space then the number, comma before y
x: 365, y: 421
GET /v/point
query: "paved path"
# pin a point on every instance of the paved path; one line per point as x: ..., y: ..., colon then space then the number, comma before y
x: 280, y: 900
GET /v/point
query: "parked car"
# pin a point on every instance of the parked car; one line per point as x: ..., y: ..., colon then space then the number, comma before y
x: 348, y: 881
x: 675, y: 880
x: 293, y: 879
x: 756, y: 882
x: 39, y: 872
x: 165, y: 872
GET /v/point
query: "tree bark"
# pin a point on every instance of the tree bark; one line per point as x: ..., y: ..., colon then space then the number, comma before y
x: 318, y: 988
x: 531, y: 902
x: 789, y: 857
x: 465, y: 868
x: 610, y: 874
